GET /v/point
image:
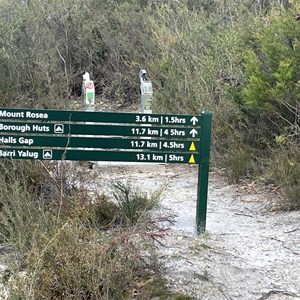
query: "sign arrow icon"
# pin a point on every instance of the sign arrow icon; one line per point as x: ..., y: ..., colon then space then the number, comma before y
x: 194, y: 120
x: 58, y: 128
x: 47, y: 154
x: 193, y: 132
x: 192, y: 147
x: 192, y: 159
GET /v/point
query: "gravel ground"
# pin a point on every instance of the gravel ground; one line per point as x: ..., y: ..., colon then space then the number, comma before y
x: 249, y: 251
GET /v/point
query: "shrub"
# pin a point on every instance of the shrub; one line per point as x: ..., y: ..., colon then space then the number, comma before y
x: 133, y: 204
x: 284, y: 170
x: 239, y: 163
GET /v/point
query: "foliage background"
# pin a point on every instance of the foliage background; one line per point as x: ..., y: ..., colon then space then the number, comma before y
x: 238, y: 59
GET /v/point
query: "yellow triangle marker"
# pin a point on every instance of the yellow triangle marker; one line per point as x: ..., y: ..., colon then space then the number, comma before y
x: 192, y: 147
x: 192, y: 159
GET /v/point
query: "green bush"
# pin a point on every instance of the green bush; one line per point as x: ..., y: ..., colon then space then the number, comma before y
x: 270, y: 95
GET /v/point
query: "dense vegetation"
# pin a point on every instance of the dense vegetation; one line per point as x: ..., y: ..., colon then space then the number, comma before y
x: 237, y: 58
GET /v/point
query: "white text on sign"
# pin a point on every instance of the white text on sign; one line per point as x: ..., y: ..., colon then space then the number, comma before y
x: 23, y: 115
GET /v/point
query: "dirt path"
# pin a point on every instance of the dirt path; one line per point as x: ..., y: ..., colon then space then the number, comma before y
x: 248, y: 251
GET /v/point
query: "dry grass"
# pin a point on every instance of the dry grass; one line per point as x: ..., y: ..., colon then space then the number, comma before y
x: 66, y: 246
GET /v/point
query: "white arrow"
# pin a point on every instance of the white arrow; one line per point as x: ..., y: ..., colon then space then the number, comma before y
x: 193, y: 132
x: 194, y: 120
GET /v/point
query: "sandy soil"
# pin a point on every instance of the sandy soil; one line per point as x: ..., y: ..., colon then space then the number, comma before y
x: 249, y: 251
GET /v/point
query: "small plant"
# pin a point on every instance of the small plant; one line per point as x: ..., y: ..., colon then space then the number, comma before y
x: 239, y: 163
x: 133, y: 203
x: 284, y: 169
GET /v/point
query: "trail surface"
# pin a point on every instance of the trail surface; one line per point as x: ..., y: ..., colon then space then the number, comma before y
x: 249, y: 252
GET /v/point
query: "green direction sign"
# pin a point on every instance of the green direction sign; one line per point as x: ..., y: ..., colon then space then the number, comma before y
x: 125, y: 156
x: 100, y: 117
x: 111, y: 130
x: 96, y: 142
x: 159, y: 139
